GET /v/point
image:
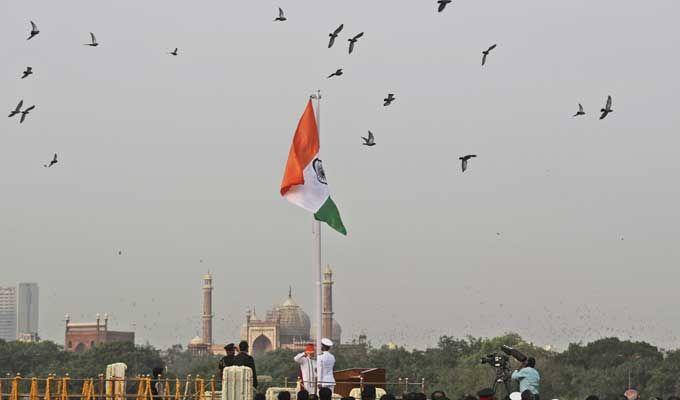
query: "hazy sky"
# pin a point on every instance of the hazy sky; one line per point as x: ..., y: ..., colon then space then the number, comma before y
x: 177, y: 159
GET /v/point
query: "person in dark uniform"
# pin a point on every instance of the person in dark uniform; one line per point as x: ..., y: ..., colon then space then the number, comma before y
x: 228, y: 360
x: 243, y: 359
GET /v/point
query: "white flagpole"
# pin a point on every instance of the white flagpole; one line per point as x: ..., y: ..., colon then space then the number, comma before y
x: 316, y: 229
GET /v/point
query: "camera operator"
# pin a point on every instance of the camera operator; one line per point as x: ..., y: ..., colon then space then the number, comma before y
x: 528, y: 377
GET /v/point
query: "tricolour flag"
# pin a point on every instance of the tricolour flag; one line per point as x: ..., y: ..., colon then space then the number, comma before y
x: 304, y: 181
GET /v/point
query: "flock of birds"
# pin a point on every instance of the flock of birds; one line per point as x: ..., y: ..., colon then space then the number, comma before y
x: 387, y: 101
x: 370, y: 139
x: 29, y: 71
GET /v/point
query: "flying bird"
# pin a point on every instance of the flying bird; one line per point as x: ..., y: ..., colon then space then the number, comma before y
x: 442, y: 4
x: 486, y: 53
x: 370, y: 140
x: 34, y: 30
x: 54, y: 161
x: 336, y: 73
x: 464, y: 160
x: 94, y: 41
x: 281, y: 17
x: 29, y: 71
x: 607, y: 108
x: 17, y: 110
x: 353, y: 40
x: 389, y: 99
x: 580, y: 111
x: 25, y: 113
x: 174, y: 52
x: 334, y: 35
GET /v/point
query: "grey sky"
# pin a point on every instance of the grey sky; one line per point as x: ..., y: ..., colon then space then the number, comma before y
x: 177, y: 159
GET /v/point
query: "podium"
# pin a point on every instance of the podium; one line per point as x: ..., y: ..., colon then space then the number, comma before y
x: 348, y: 379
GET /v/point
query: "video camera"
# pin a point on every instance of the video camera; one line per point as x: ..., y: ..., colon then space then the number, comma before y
x: 501, y: 363
x: 501, y: 360
x: 496, y: 360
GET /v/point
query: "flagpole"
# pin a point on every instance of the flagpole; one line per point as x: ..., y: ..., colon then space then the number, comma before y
x: 316, y: 229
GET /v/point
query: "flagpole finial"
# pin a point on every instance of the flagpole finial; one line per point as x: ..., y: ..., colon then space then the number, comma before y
x: 316, y: 96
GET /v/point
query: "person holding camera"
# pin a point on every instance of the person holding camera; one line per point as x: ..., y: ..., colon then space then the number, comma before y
x: 528, y: 377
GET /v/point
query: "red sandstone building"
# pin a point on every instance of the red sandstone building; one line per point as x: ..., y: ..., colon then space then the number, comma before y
x: 85, y: 335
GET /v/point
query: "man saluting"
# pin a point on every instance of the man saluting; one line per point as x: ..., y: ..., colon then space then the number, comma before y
x: 307, y: 371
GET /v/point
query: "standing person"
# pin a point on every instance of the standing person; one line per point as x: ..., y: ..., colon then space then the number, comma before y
x: 326, y: 362
x: 528, y: 377
x: 228, y: 360
x: 156, y: 383
x: 307, y: 367
x: 243, y: 359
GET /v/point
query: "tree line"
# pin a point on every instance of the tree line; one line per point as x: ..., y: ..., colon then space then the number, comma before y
x: 604, y: 367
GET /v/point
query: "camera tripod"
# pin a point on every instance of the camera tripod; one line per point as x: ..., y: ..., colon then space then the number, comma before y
x: 502, y: 377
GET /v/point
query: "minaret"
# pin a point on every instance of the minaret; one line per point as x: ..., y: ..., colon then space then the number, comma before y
x: 327, y: 310
x: 207, y: 309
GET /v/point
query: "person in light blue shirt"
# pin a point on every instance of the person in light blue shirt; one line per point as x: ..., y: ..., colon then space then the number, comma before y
x: 528, y: 377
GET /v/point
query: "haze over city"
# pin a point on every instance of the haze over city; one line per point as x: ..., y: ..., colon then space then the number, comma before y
x: 562, y: 229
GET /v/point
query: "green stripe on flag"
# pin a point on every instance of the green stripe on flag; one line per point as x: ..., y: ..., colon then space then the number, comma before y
x: 329, y: 214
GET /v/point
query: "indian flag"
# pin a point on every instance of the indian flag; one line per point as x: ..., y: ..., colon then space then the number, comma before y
x: 304, y: 181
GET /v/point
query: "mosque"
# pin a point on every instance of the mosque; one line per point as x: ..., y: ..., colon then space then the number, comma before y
x: 284, y: 326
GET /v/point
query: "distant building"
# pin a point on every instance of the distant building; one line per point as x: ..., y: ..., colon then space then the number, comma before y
x: 28, y: 337
x: 201, y: 345
x: 207, y: 316
x: 198, y: 347
x: 27, y: 310
x: 288, y: 326
x: 8, y: 313
x: 83, y: 336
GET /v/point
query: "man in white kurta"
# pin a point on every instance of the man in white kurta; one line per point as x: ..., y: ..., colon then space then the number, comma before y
x: 307, y: 368
x: 326, y: 362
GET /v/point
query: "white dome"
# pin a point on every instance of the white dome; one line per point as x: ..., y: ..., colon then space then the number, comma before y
x: 293, y: 321
x: 196, y: 341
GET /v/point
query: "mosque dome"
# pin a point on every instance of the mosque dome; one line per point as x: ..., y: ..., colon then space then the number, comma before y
x: 196, y: 341
x: 293, y: 321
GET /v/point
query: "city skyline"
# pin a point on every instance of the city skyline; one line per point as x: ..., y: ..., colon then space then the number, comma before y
x: 228, y: 330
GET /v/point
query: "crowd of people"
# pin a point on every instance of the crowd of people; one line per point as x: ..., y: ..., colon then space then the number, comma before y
x: 317, y: 382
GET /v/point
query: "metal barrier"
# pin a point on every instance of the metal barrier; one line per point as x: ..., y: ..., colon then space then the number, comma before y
x: 143, y: 387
